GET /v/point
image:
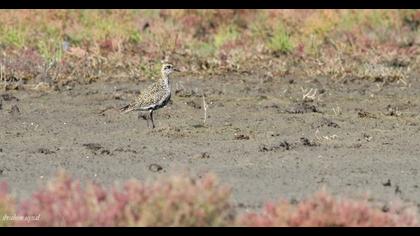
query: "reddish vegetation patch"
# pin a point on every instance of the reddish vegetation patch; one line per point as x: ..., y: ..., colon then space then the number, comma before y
x: 175, y: 202
x: 326, y: 210
x: 182, y: 201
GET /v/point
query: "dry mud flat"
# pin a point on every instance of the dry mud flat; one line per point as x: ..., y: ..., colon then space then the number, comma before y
x: 260, y: 137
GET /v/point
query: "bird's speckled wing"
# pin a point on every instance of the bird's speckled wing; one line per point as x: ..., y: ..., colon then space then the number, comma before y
x: 149, y: 97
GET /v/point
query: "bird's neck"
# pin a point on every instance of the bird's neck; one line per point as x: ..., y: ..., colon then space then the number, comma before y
x: 165, y: 80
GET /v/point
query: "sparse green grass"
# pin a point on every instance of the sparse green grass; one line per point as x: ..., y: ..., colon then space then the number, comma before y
x: 224, y: 35
x: 280, y: 42
x: 350, y: 19
x: 203, y: 48
x: 222, y: 40
x: 13, y: 36
x: 50, y: 50
x: 135, y: 37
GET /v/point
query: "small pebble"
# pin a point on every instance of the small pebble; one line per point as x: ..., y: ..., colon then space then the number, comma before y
x: 155, y: 168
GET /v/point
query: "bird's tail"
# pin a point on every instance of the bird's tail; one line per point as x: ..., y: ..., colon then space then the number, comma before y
x: 127, y: 108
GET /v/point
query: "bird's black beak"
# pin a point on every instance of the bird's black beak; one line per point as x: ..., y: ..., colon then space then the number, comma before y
x: 177, y: 70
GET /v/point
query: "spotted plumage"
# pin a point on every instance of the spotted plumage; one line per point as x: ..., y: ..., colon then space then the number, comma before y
x: 154, y: 97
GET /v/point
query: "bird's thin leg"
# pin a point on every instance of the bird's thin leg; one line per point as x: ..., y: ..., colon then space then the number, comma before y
x: 151, y: 118
x: 144, y: 117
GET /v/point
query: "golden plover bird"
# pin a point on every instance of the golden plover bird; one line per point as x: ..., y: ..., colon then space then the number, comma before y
x: 154, y: 97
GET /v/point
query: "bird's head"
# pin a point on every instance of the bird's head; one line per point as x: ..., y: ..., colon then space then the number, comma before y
x: 167, y: 69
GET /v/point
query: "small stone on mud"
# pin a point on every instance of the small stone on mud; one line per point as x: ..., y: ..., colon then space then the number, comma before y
x: 293, y: 201
x: 262, y: 97
x: 93, y: 146
x: 302, y: 107
x: 117, y: 96
x: 392, y: 111
x: 356, y: 145
x: 307, y: 142
x: 203, y: 155
x: 271, y: 105
x: 385, y: 208
x: 106, y: 152
x: 367, y: 137
x: 199, y: 125
x: 45, y: 151
x: 397, y: 190
x: 126, y: 150
x: 364, y: 114
x: 119, y: 150
x: 241, y: 137
x: 283, y: 145
x: 155, y: 168
x: 387, y: 183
